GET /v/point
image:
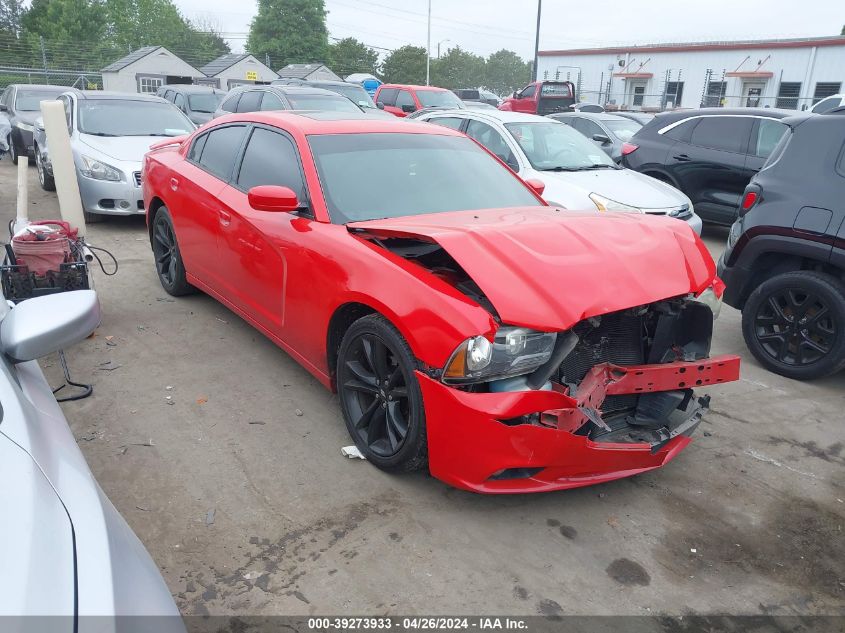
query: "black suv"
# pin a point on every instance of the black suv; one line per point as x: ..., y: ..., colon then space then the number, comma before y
x: 710, y: 154
x: 784, y: 266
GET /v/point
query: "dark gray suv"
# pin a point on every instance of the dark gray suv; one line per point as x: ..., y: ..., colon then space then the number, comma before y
x: 22, y: 104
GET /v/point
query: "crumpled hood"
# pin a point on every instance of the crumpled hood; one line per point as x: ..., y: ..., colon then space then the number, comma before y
x: 622, y: 185
x: 549, y: 269
x: 126, y: 148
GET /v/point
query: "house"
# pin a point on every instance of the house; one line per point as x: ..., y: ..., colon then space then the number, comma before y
x: 308, y: 72
x: 779, y: 73
x: 147, y: 68
x: 236, y: 69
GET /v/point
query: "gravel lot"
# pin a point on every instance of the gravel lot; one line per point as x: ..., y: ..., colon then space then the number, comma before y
x: 238, y: 489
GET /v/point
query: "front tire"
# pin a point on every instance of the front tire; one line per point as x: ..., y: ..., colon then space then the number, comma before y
x: 93, y: 218
x: 794, y: 324
x: 168, y: 259
x: 46, y: 181
x: 13, y: 150
x: 380, y: 396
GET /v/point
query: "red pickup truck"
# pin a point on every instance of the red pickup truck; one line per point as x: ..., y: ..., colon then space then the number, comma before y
x: 541, y: 97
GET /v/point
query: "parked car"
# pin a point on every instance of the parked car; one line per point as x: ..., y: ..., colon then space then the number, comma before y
x: 476, y: 105
x: 710, y: 154
x: 22, y: 105
x: 478, y: 95
x: 640, y: 117
x: 587, y: 107
x: 575, y: 173
x: 829, y: 103
x: 440, y: 288
x: 785, y: 262
x: 197, y: 102
x: 66, y: 551
x: 608, y: 131
x: 255, y: 98
x: 109, y: 134
x: 541, y: 97
x: 401, y: 100
x: 354, y: 92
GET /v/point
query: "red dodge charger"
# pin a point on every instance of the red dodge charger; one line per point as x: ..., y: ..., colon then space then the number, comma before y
x: 468, y: 328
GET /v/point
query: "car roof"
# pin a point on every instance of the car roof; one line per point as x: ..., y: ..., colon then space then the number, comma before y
x: 116, y: 96
x: 597, y: 116
x: 321, y: 122
x: 188, y: 88
x: 40, y: 87
x: 495, y: 115
x: 415, y: 87
x: 676, y: 115
x: 288, y: 90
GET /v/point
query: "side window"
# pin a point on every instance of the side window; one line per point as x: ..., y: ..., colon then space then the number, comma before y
x: 405, y: 101
x: 67, y: 106
x: 270, y: 158
x: 587, y: 128
x: 528, y: 91
x: 826, y: 105
x: 5, y: 98
x: 767, y: 136
x: 196, y: 148
x: 272, y: 102
x: 493, y: 141
x: 447, y: 121
x: 725, y: 133
x: 221, y: 148
x: 841, y: 166
x: 230, y: 104
x: 387, y: 96
x: 179, y: 101
x: 250, y: 101
x: 682, y: 132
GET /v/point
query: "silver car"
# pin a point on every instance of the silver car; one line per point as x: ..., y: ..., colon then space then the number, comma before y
x: 608, y: 131
x: 109, y: 134
x: 65, y: 550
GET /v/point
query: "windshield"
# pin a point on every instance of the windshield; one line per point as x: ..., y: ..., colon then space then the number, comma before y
x: 368, y: 176
x: 321, y: 102
x: 116, y: 117
x: 30, y: 100
x: 557, y: 147
x: 355, y: 93
x: 439, y: 99
x: 205, y: 102
x: 623, y: 130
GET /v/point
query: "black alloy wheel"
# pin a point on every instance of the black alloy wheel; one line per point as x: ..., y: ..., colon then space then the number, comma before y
x: 795, y: 324
x: 168, y: 260
x: 380, y: 395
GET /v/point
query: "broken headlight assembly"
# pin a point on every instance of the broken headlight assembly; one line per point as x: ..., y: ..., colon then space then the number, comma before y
x: 514, y: 351
x: 712, y: 297
x: 606, y: 204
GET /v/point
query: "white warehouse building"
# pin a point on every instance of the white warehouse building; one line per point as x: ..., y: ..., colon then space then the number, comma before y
x: 793, y: 73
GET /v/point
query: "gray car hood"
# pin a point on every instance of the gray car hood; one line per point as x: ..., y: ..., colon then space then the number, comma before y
x: 125, y: 148
x: 621, y: 185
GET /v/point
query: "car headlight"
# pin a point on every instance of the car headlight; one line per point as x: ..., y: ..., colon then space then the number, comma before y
x: 606, y: 204
x: 514, y: 351
x: 26, y: 127
x: 92, y: 168
x: 681, y: 212
x: 712, y: 297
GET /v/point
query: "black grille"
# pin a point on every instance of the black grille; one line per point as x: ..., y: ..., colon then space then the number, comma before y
x: 137, y: 176
x: 618, y: 339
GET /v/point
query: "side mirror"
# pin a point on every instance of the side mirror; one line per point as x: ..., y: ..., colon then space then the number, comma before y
x: 380, y: 105
x: 537, y: 185
x: 273, y: 198
x: 515, y: 95
x: 40, y: 326
x: 601, y: 138
x: 409, y: 108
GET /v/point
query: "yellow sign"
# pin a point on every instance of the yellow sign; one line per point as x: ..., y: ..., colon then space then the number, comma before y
x: 252, y: 75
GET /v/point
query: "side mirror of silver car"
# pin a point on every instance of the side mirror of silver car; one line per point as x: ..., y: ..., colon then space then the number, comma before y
x: 37, y: 327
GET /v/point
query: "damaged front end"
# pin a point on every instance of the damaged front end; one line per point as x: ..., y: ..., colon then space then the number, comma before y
x: 614, y: 398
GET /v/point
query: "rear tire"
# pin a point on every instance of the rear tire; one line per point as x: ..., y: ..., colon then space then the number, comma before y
x: 794, y: 324
x: 168, y: 259
x: 380, y: 395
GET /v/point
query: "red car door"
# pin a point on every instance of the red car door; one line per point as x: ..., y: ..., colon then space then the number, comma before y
x: 386, y: 97
x: 253, y: 244
x: 527, y: 101
x: 195, y: 184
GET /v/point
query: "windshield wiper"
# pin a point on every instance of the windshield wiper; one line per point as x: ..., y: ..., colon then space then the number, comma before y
x: 581, y: 168
x: 98, y: 133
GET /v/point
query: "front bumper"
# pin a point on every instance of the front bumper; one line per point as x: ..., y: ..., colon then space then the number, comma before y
x: 111, y: 198
x: 470, y: 445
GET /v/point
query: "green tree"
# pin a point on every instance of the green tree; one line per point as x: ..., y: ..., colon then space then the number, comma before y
x: 73, y: 32
x: 405, y: 65
x: 289, y: 31
x: 349, y: 56
x: 11, y: 12
x: 506, y: 72
x: 457, y: 69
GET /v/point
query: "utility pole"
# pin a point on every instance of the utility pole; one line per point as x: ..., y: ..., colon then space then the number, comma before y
x: 537, y: 39
x: 428, y: 49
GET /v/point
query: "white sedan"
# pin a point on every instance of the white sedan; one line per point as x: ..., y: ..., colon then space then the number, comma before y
x: 577, y: 175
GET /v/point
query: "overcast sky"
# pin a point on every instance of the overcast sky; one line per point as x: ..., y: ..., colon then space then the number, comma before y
x: 485, y: 26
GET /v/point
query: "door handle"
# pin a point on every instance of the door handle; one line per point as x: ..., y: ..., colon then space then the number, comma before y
x: 174, y: 184
x: 225, y: 218
x: 682, y: 158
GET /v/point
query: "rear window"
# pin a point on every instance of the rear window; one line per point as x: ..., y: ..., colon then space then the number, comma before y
x: 332, y: 103
x: 556, y: 90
